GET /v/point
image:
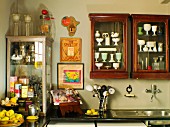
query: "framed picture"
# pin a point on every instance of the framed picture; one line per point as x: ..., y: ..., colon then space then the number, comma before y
x: 70, y: 49
x: 70, y: 75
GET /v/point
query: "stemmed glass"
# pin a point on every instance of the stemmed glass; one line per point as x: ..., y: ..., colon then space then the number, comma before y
x: 115, y: 40
x: 150, y: 44
x: 118, y: 56
x: 97, y: 56
x: 147, y: 27
x: 104, y: 56
x: 154, y: 29
x: 140, y: 43
x: 99, y: 40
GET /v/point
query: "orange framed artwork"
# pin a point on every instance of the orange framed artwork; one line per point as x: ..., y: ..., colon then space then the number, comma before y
x: 70, y: 49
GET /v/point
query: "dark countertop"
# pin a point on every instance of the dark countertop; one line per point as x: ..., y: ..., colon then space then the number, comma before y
x: 55, y: 116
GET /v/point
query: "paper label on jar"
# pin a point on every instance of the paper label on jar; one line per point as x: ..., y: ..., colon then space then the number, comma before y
x: 44, y: 28
x: 24, y: 91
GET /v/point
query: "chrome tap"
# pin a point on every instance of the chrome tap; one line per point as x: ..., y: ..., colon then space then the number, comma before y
x: 153, y: 91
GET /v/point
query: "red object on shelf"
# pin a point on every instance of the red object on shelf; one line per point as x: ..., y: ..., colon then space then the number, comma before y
x: 44, y: 12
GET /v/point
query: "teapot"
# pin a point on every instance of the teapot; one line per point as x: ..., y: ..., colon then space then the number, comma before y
x: 32, y: 110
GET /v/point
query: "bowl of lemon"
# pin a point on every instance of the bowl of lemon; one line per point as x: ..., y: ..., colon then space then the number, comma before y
x: 10, y: 118
x: 92, y: 112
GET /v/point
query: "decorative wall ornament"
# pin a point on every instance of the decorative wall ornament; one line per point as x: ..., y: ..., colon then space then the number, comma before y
x: 71, y: 24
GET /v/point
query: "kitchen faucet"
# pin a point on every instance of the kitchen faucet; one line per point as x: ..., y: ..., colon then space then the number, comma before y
x: 153, y: 91
x: 102, y: 92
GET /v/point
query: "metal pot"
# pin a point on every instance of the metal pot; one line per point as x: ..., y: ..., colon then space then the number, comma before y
x: 32, y: 110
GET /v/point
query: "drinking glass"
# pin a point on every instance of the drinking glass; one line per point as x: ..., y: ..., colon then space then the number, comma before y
x: 118, y: 56
x: 96, y: 56
x: 104, y: 56
x: 147, y: 28
x: 140, y: 43
x: 140, y: 31
x: 154, y: 29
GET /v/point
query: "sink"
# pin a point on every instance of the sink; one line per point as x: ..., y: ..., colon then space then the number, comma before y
x: 124, y: 113
x: 140, y: 113
x: 156, y: 113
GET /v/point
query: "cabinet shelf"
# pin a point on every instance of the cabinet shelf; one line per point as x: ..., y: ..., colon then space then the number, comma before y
x: 150, y: 46
x: 29, y: 64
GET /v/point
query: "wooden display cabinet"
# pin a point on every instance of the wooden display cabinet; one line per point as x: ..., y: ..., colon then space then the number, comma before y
x: 150, y: 57
x: 29, y: 63
x: 109, y: 45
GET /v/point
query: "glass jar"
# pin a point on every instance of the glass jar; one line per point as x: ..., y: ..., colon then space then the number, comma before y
x: 45, y: 25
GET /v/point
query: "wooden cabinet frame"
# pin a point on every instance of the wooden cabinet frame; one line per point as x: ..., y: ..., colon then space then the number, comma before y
x: 144, y: 73
x: 120, y: 73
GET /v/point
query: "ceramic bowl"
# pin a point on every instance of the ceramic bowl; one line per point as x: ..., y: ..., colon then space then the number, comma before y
x: 116, y: 65
x: 99, y: 65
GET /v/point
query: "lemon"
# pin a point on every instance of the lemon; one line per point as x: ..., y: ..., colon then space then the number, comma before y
x: 13, y: 100
x: 92, y: 110
x: 95, y: 113
x: 89, y: 112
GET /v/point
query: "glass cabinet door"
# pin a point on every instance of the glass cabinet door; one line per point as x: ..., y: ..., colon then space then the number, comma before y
x: 29, y: 69
x: 109, y: 45
x: 150, y: 46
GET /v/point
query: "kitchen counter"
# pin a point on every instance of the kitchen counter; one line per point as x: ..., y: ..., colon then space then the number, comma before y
x: 55, y: 116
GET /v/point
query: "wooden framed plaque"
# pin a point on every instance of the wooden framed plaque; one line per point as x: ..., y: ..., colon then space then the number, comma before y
x: 70, y: 49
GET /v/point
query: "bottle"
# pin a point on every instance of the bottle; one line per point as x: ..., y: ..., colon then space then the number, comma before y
x: 161, y: 63
x: 31, y: 92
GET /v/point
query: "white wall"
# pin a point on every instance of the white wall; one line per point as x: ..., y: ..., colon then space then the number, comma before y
x: 4, y: 12
x: 80, y: 10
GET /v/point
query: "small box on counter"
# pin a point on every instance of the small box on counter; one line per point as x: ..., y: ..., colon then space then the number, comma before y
x: 13, y: 80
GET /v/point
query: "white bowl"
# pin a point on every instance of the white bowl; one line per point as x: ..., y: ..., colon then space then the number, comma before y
x: 99, y: 39
x: 116, y: 65
x: 151, y: 43
x: 99, y: 65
